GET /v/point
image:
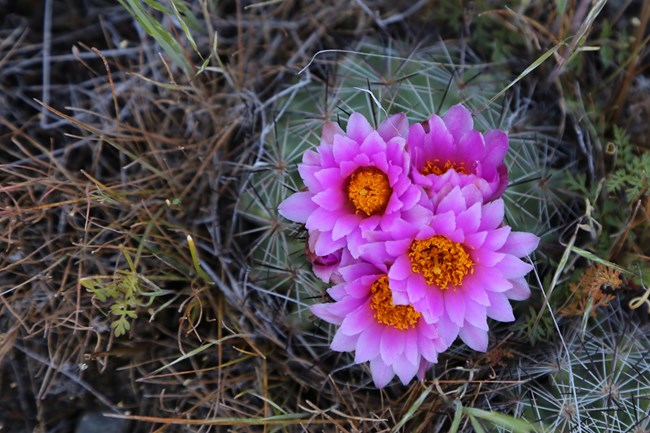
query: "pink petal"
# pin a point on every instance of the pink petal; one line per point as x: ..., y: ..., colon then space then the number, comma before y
x: 357, y: 321
x: 452, y: 202
x: 358, y: 128
x: 381, y: 373
x: 433, y: 302
x: 492, y: 216
x: 396, y: 125
x: 357, y: 270
x: 474, y: 290
x: 345, y: 225
x: 401, y: 269
x: 321, y: 219
x: 374, y: 145
x: 368, y: 344
x: 411, y: 351
x: 330, y: 199
x: 512, y: 267
x: 405, y: 370
x: 470, y: 219
x: 327, y: 312
x: 495, y: 239
x: 427, y: 348
x: 398, y: 248
x: 298, y: 207
x: 500, y: 308
x: 472, y: 195
x: 520, y: 244
x: 343, y: 343
x: 519, y: 291
x: 476, y: 240
x: 475, y: 314
x: 326, y: 245
x: 308, y: 175
x: 444, y: 224
x: 486, y: 258
x: 447, y: 330
x: 471, y: 147
x: 392, y: 344
x: 424, y: 367
x: 310, y: 158
x: 417, y: 288
x: 455, y: 306
x: 329, y: 178
x: 459, y: 121
x: 496, y: 143
x: 344, y: 149
x: 490, y: 279
x: 474, y: 337
x: 440, y: 142
x: 331, y: 129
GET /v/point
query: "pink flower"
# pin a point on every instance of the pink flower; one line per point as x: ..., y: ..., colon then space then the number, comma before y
x: 394, y: 338
x: 461, y: 268
x: 449, y: 151
x: 326, y: 267
x: 357, y: 181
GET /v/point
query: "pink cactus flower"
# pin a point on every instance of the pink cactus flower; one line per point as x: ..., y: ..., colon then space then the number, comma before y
x: 357, y: 182
x: 448, y: 151
x: 393, y: 338
x: 461, y: 268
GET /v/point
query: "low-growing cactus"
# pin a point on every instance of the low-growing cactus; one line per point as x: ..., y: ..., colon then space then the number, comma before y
x: 596, y: 382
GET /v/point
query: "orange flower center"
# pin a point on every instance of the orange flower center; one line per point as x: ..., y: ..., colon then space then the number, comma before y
x: 387, y: 313
x: 438, y: 168
x: 440, y: 261
x: 369, y: 190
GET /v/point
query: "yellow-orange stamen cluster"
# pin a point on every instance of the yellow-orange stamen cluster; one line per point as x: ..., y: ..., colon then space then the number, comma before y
x: 440, y: 261
x: 438, y: 168
x: 369, y: 190
x: 387, y: 313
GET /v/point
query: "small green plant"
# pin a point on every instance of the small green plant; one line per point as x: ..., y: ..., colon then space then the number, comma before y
x: 632, y: 171
x: 126, y: 293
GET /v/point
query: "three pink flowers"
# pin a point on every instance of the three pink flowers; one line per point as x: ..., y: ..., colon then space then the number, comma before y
x: 407, y: 221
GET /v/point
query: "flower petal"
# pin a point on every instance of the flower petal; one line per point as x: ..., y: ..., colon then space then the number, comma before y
x: 458, y: 121
x: 392, y: 344
x: 381, y: 373
x: 343, y: 343
x: 396, y: 125
x: 345, y: 225
x: 520, y: 244
x: 298, y: 207
x: 405, y: 370
x: 492, y: 215
x: 499, y: 308
x: 401, y: 269
x: 474, y: 337
x: 455, y: 306
x: 475, y: 314
x: 368, y: 344
x: 512, y: 267
x: 357, y: 321
x: 358, y: 127
x: 330, y: 199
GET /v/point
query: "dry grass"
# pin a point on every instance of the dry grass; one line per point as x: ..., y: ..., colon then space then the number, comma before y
x: 111, y: 155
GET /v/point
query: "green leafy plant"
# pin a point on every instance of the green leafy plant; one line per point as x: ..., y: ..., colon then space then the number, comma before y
x: 632, y: 171
x: 126, y: 292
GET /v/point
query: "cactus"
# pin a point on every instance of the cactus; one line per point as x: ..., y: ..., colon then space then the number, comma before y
x: 598, y: 381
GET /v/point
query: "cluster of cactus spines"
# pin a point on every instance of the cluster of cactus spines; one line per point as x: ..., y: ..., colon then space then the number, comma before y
x: 595, y: 382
